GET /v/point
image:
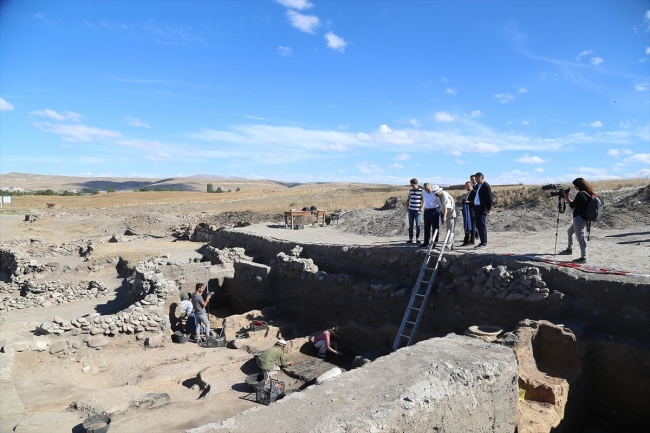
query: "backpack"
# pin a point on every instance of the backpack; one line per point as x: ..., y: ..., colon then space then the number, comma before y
x: 594, y: 208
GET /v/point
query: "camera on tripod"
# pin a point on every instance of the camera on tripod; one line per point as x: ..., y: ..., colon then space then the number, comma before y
x: 556, y: 190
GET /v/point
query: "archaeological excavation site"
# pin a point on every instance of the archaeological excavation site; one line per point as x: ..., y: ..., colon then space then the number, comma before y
x: 92, y: 337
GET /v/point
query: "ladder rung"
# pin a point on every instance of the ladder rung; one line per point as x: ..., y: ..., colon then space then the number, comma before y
x: 404, y: 335
x: 430, y: 269
x: 416, y: 309
x: 412, y: 323
x: 417, y: 294
x: 422, y: 282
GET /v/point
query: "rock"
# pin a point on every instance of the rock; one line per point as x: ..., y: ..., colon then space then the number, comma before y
x: 97, y: 342
x: 58, y: 346
x: 393, y: 259
x: 457, y: 270
x: 400, y: 292
x: 154, y: 341
x: 537, y: 297
x: 39, y: 345
x: 45, y: 327
x: 58, y: 320
x: 16, y: 346
x: 328, y: 375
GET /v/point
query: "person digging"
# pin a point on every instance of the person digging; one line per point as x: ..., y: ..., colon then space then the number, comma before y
x: 324, y: 342
x: 268, y: 360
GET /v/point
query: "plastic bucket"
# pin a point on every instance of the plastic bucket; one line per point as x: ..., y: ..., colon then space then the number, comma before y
x: 97, y: 424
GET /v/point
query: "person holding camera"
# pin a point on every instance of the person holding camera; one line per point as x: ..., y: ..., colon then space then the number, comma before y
x: 199, y: 311
x: 579, y: 206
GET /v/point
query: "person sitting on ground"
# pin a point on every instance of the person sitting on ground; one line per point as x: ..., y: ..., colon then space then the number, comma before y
x: 448, y: 213
x: 199, y: 311
x: 579, y: 206
x: 324, y: 343
x: 268, y: 360
x: 183, y: 295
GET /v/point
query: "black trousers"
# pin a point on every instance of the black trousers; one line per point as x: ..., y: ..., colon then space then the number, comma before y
x: 431, y: 223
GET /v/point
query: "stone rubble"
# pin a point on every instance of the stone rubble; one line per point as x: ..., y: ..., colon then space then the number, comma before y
x: 47, y: 293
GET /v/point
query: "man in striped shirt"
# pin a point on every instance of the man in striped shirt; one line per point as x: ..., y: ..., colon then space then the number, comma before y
x: 414, y: 205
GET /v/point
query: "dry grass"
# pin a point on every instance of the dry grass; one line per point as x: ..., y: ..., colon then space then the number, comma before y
x: 278, y: 200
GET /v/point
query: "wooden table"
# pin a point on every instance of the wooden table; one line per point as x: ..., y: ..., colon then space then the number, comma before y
x: 290, y: 214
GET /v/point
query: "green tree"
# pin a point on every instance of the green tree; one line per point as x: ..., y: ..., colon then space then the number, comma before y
x: 219, y: 190
x: 238, y: 189
x: 110, y: 190
x: 210, y: 188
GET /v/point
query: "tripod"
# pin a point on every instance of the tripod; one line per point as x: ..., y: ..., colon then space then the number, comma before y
x: 561, y: 207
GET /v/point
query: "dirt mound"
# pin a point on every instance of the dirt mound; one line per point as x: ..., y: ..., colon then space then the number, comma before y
x: 373, y: 222
x: 391, y: 203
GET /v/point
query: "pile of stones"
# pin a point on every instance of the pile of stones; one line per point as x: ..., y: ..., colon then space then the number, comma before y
x: 132, y: 320
x: 48, y: 293
x: 511, y: 285
x: 294, y: 266
x: 225, y: 256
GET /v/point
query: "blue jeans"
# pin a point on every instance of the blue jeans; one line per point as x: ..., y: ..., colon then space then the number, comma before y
x: 481, y: 222
x: 414, y: 218
x: 431, y: 224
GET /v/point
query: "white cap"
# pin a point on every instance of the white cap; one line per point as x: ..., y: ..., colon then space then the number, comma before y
x: 281, y: 343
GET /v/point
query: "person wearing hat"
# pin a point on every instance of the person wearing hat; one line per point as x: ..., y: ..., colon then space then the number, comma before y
x: 448, y: 213
x: 431, y: 208
x: 267, y: 361
x: 324, y: 343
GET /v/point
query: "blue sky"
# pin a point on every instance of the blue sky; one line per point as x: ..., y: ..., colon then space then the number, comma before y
x: 313, y: 90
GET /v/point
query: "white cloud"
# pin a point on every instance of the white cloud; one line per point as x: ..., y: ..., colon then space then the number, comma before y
x: 285, y: 51
x: 254, y: 117
x: 366, y: 168
x: 477, y: 113
x: 530, y: 159
x: 451, y: 90
x: 616, y: 152
x: 596, y: 124
x: 624, y: 124
x: 583, y: 53
x: 540, y: 170
x: 402, y: 157
x: 6, y: 106
x: 414, y: 122
x: 305, y: 23
x: 647, y: 50
x: 442, y: 116
x: 160, y: 157
x: 522, y: 90
x: 335, y: 42
x: 77, y: 132
x: 444, y: 79
x: 396, y: 165
x: 384, y: 129
x: 596, y: 61
x: 481, y: 147
x: 295, y: 4
x: 641, y: 87
x: 525, y: 122
x: 137, y: 123
x: 638, y: 157
x: 65, y: 115
x: 334, y: 147
x: 504, y: 97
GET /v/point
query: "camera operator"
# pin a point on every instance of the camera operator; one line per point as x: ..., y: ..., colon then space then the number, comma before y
x: 579, y: 206
x: 199, y: 311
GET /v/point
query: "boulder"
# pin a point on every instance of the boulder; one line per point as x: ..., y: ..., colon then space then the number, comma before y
x: 97, y: 342
x: 58, y: 347
x: 39, y: 345
x: 154, y: 341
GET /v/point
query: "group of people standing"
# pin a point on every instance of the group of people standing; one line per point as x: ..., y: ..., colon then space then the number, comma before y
x: 438, y: 206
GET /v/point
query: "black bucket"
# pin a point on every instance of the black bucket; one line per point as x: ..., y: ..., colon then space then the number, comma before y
x: 97, y: 424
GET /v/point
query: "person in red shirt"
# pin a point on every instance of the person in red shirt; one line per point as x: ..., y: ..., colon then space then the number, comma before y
x: 324, y: 342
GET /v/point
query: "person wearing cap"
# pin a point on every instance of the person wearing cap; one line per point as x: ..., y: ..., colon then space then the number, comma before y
x: 448, y: 213
x: 268, y: 360
x: 431, y: 208
x: 324, y: 343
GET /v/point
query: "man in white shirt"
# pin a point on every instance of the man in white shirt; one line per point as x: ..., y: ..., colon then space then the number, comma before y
x: 448, y: 213
x: 431, y: 208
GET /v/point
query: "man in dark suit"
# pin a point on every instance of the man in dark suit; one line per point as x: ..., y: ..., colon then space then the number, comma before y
x: 482, y: 206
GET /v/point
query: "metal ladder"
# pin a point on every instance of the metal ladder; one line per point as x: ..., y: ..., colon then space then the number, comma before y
x: 420, y: 296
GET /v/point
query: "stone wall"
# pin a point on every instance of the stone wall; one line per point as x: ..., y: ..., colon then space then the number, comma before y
x: 447, y: 385
x: 47, y: 293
